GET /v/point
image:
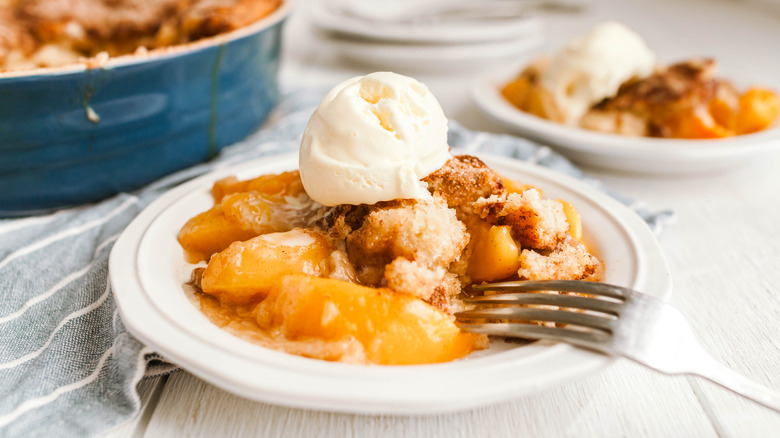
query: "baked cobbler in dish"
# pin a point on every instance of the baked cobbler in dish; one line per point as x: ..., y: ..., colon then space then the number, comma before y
x: 609, y: 81
x: 50, y: 33
x: 374, y: 282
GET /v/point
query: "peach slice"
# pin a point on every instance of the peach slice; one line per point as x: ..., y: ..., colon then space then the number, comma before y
x: 495, y: 255
x: 208, y: 233
x: 283, y: 184
x: 244, y: 209
x: 246, y: 271
x: 574, y: 219
x: 394, y: 328
x: 758, y: 109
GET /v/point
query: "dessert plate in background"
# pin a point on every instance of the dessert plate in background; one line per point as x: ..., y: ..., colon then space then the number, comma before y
x: 612, y: 151
x: 147, y: 271
x: 373, y: 33
x: 392, y: 55
x: 329, y: 17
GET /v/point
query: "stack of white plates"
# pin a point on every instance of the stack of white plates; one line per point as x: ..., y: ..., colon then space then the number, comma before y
x: 428, y: 34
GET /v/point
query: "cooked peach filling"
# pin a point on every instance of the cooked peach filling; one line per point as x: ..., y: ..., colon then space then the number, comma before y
x: 373, y: 284
x: 393, y: 328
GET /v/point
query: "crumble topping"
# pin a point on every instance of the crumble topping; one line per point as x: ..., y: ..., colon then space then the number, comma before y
x: 423, y: 247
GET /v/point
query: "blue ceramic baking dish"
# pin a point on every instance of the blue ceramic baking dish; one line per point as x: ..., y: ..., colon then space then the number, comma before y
x: 75, y: 135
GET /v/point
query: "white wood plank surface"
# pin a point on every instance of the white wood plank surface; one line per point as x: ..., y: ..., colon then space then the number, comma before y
x: 624, y: 398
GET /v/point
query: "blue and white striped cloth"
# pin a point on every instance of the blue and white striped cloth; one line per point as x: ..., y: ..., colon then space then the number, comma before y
x: 68, y: 367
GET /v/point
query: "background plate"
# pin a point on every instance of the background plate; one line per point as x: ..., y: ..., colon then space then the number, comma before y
x: 432, y: 57
x: 147, y: 270
x: 612, y: 151
x: 323, y: 16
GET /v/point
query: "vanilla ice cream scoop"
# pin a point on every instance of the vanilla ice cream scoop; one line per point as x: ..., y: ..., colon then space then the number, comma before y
x: 372, y: 139
x: 593, y: 66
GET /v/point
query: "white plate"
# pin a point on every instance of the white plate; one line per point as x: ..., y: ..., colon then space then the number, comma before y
x: 147, y: 270
x: 612, y: 151
x: 432, y: 56
x: 322, y: 16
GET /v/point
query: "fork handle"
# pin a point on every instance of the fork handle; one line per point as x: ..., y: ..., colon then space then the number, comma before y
x: 739, y: 384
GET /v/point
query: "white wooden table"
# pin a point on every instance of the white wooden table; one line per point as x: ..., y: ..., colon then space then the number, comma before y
x: 724, y: 253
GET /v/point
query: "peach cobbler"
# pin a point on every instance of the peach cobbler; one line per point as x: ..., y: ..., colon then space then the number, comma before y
x: 373, y: 282
x: 50, y: 33
x: 608, y: 81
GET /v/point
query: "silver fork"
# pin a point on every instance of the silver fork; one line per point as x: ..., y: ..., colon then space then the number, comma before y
x: 613, y: 320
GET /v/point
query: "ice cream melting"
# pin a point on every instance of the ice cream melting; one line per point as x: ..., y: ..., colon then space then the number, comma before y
x: 372, y: 139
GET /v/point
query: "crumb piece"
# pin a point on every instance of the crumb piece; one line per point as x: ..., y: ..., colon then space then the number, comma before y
x: 569, y: 261
x: 462, y: 181
x: 402, y: 275
x: 446, y: 293
x: 536, y: 223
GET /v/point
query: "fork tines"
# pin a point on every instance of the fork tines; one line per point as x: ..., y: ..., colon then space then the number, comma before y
x: 579, y: 286
x: 548, y: 299
x: 537, y: 314
x: 586, y: 319
x: 592, y: 339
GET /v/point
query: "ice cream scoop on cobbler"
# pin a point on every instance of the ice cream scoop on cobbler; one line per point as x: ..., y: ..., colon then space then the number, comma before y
x: 362, y: 255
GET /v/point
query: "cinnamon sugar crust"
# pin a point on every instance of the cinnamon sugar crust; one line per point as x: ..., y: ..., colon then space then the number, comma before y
x: 679, y: 85
x: 101, y: 19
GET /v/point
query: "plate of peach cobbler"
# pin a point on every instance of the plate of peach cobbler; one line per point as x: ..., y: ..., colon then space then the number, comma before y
x: 328, y: 278
x: 605, y: 100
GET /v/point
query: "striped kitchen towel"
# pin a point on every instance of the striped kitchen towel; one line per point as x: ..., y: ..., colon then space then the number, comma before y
x: 68, y: 367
